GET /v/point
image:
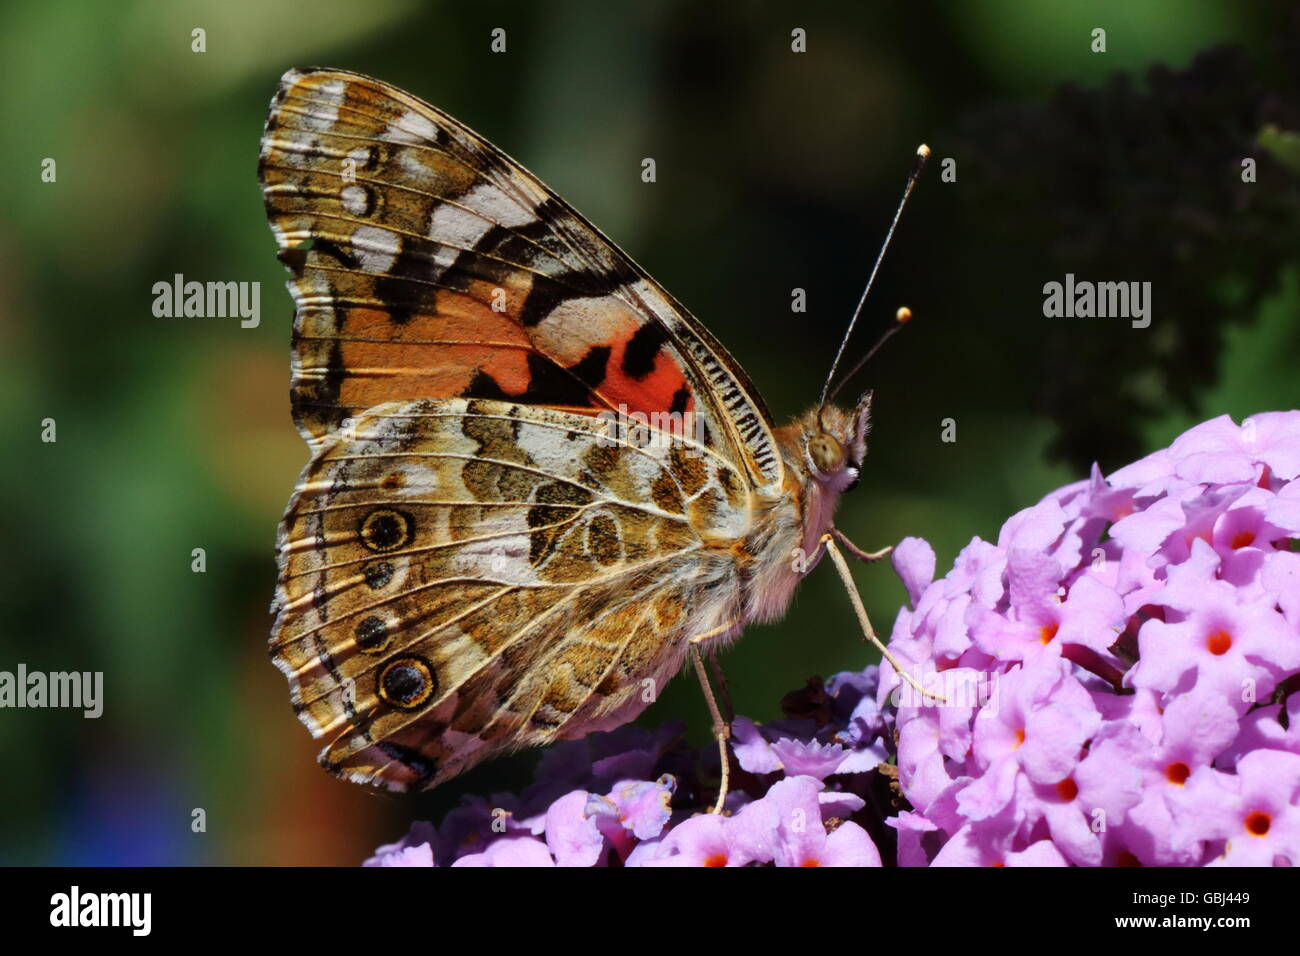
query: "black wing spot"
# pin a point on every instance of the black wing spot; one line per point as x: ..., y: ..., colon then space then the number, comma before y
x: 328, y: 247
x: 548, y: 384
x: 592, y: 367
x: 401, y: 297
x: 642, y: 350
x: 386, y: 529
x: 681, y: 398
x: 372, y: 635
x: 407, y: 683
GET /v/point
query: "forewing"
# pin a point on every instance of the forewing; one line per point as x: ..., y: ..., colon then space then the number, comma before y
x: 428, y: 264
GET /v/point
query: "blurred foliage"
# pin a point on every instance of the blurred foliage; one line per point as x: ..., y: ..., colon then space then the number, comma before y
x: 1169, y: 170
x: 776, y: 170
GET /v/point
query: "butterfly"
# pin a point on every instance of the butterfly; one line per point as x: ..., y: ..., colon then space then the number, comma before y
x: 501, y: 540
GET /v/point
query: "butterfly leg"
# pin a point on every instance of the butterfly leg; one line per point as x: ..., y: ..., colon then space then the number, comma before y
x: 857, y: 552
x: 842, y: 566
x: 721, y: 727
x: 724, y: 692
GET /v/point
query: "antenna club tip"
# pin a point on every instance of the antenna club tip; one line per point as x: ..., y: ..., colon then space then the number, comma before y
x: 903, y: 315
x: 923, y: 151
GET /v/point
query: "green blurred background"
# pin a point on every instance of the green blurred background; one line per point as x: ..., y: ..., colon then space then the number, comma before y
x: 776, y: 170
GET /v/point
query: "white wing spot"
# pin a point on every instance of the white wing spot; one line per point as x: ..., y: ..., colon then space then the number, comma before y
x: 354, y: 199
x: 376, y: 248
x: 575, y: 325
x: 323, y: 107
x: 487, y: 200
x: 411, y: 161
x: 411, y: 127
x: 546, y: 446
x: 455, y: 229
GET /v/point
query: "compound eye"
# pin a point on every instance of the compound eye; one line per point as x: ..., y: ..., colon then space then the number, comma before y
x: 826, y: 452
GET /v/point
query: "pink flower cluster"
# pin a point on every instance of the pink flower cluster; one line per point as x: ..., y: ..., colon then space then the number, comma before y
x: 1116, y: 674
x: 633, y: 799
x: 1117, y: 670
x: 618, y: 815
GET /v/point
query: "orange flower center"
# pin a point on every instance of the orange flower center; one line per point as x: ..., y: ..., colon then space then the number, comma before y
x: 716, y: 859
x: 1068, y: 789
x: 1020, y: 738
x: 1257, y: 823
x: 1047, y: 632
x: 811, y: 863
x: 1242, y: 538
x: 1219, y: 642
x: 1177, y: 773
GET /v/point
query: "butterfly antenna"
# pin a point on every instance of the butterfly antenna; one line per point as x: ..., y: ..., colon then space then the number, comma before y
x: 922, y: 154
x: 901, y: 318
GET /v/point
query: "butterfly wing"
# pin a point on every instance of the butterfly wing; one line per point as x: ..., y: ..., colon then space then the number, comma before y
x: 470, y: 563
x: 462, y: 577
x: 428, y: 264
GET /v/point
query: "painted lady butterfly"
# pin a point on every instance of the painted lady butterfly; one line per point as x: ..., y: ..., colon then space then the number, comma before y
x: 476, y: 559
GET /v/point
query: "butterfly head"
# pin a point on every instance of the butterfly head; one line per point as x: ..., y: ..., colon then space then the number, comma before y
x: 834, y: 443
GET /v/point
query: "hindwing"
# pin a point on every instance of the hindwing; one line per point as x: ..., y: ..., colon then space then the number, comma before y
x: 460, y: 577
